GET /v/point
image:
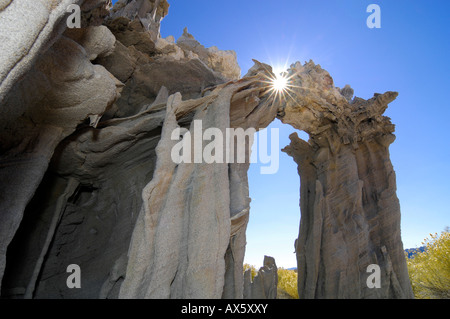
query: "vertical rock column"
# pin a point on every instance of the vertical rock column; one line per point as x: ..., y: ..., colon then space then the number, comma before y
x: 350, y: 214
x: 189, y: 239
x: 181, y: 237
x: 250, y: 109
x: 264, y: 285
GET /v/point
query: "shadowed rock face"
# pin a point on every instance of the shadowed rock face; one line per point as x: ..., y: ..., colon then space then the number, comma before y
x: 87, y: 177
x: 45, y: 95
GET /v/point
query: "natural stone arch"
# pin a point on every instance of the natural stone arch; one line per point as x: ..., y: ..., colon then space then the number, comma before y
x: 342, y: 226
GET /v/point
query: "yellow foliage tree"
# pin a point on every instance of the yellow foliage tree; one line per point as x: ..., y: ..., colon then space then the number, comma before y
x: 253, y: 269
x: 429, y: 271
x: 287, y: 281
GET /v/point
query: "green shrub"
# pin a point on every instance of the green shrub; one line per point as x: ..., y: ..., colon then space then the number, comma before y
x: 429, y: 271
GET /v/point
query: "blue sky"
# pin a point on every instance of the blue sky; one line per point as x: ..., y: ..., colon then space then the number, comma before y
x: 409, y: 54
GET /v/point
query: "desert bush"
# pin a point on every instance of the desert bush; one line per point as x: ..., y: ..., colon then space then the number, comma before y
x: 429, y: 271
x: 287, y: 281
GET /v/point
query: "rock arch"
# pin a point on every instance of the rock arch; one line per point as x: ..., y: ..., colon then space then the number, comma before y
x: 348, y: 196
x: 141, y: 226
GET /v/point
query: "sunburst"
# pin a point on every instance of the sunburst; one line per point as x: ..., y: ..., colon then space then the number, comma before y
x: 280, y: 84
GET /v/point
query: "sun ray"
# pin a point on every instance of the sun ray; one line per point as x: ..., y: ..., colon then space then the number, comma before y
x: 279, y: 84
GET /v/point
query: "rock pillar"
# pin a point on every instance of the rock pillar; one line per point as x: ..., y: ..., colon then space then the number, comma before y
x: 350, y: 214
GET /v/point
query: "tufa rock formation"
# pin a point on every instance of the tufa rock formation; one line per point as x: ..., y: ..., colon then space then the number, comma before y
x: 264, y: 285
x: 350, y: 214
x: 86, y: 174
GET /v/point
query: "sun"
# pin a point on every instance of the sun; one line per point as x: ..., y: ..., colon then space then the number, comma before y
x: 279, y: 83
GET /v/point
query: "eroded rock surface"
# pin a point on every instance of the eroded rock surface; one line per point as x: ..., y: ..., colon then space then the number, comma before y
x: 264, y: 285
x: 350, y: 214
x: 87, y: 177
x: 223, y: 62
x: 45, y: 94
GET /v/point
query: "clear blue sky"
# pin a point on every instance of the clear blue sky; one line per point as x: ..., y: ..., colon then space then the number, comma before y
x: 409, y: 54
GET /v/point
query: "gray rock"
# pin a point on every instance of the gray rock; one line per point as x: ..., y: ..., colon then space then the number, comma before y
x: 223, y: 62
x: 49, y: 91
x: 86, y: 120
x: 264, y: 285
x: 148, y: 12
x: 350, y: 214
